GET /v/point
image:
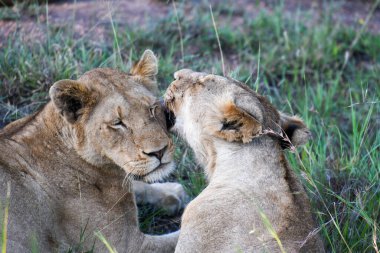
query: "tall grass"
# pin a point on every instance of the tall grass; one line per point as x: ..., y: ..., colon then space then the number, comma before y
x: 300, y: 63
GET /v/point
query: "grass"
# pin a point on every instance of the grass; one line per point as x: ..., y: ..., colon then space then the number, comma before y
x: 304, y: 69
x: 4, y: 220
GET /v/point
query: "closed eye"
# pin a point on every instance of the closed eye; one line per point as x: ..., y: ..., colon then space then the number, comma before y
x: 152, y: 110
x: 118, y: 123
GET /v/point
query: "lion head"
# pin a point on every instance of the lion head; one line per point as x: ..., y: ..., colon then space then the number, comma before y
x: 115, y: 120
x: 209, y: 107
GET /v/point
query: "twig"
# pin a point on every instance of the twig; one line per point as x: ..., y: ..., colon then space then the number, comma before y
x: 116, y: 41
x: 217, y: 37
x: 375, y: 240
x: 180, y: 32
x: 258, y: 71
x: 47, y: 26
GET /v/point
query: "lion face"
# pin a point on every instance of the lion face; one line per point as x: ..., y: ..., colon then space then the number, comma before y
x: 117, y: 119
x: 208, y: 107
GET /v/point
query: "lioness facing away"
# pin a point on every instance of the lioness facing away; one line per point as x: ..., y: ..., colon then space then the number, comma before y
x: 66, y: 164
x: 235, y: 134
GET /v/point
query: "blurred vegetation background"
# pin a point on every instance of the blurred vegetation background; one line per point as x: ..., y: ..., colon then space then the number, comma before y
x: 319, y: 59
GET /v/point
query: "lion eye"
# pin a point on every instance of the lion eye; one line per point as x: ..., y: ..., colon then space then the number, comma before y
x: 152, y: 111
x: 118, y: 123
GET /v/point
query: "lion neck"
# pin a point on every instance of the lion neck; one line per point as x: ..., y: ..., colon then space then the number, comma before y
x: 256, y: 171
x: 227, y: 160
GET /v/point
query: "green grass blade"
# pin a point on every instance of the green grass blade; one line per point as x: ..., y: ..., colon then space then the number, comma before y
x: 5, y: 222
x: 105, y: 242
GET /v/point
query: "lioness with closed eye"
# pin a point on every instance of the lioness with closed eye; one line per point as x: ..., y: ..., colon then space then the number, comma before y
x: 236, y: 135
x: 66, y: 164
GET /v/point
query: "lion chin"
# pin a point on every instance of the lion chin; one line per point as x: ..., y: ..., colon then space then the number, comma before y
x: 155, y: 175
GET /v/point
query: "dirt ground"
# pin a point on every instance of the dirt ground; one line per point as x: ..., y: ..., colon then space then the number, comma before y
x: 92, y: 18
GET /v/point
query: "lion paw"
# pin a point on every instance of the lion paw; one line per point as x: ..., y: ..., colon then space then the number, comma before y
x: 171, y: 197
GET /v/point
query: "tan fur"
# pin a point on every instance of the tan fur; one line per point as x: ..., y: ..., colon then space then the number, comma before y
x: 146, y: 70
x: 68, y: 162
x: 237, y: 135
x: 249, y: 126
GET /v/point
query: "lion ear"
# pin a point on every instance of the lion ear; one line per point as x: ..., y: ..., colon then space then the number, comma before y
x: 147, y: 66
x: 295, y: 129
x: 236, y: 124
x: 145, y: 71
x: 70, y: 97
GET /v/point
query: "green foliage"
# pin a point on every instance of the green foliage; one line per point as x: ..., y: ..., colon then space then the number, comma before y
x: 306, y: 67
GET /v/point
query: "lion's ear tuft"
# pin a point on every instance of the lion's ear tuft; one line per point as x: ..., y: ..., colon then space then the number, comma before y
x: 147, y: 66
x: 295, y: 129
x: 235, y: 124
x: 70, y: 97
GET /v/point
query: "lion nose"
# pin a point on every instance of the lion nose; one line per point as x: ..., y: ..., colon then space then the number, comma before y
x: 158, y: 154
